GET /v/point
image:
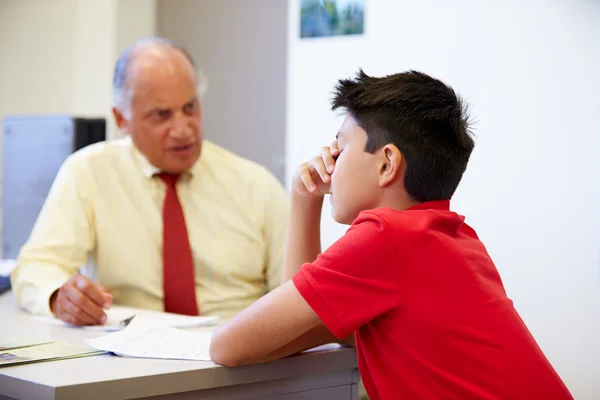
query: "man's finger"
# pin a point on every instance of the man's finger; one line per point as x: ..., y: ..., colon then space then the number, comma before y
x: 328, y: 159
x: 69, y: 319
x: 86, y: 305
x: 90, y: 289
x: 108, y: 298
x: 103, y: 288
x: 72, y: 314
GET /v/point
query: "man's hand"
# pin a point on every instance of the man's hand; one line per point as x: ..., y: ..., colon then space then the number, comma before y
x: 81, y: 302
x: 314, y: 177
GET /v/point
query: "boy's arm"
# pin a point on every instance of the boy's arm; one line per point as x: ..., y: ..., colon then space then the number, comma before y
x: 276, y: 212
x: 304, y: 245
x: 354, y: 282
x: 304, y: 234
x: 310, y: 184
x: 282, y: 323
x: 279, y: 324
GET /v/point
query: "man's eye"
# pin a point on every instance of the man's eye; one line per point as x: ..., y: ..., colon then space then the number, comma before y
x: 163, y: 114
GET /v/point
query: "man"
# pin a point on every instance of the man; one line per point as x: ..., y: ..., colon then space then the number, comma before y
x: 171, y: 221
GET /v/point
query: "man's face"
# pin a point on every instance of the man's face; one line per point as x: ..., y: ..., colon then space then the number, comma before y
x: 354, y: 182
x: 164, y: 118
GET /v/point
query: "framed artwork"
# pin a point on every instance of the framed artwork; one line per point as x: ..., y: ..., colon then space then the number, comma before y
x: 320, y: 18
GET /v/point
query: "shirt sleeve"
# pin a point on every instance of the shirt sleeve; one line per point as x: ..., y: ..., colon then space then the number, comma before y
x: 59, y: 244
x: 356, y: 279
x: 276, y: 224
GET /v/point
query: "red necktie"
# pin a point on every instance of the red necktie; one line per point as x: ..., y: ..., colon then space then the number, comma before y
x: 178, y: 265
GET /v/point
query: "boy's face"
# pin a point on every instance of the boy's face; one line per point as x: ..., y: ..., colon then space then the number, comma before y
x: 355, y: 179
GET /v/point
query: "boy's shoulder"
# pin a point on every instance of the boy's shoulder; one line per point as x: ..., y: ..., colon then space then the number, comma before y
x: 411, y: 229
x: 422, y: 218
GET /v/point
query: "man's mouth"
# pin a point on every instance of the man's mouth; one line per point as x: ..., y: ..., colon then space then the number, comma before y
x: 182, y: 148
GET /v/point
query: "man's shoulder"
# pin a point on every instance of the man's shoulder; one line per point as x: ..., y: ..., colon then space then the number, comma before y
x: 226, y: 161
x: 216, y: 154
x: 100, y: 154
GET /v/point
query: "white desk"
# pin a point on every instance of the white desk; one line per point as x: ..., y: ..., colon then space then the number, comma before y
x: 316, y: 375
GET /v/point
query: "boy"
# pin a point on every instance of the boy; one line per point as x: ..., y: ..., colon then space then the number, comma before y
x: 409, y: 279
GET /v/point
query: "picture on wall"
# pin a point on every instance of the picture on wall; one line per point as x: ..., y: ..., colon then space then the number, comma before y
x: 331, y: 17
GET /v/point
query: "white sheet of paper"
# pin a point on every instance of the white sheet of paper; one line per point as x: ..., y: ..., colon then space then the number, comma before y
x: 144, y: 338
x: 116, y: 314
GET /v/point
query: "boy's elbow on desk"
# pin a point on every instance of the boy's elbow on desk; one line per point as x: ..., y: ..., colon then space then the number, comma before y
x: 220, y: 353
x: 224, y: 351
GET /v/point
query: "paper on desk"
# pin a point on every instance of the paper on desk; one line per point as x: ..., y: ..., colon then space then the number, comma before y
x: 144, y: 338
x: 45, y: 352
x: 116, y: 314
x: 6, y: 344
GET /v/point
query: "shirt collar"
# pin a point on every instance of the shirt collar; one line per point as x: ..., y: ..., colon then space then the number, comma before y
x: 432, y: 205
x: 149, y: 170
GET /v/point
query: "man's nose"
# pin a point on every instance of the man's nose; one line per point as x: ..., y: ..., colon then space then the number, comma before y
x: 181, y: 128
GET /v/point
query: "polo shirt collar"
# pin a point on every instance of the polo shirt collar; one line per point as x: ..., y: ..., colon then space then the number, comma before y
x: 443, y: 205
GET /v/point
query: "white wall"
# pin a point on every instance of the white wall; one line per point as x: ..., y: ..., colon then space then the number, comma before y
x: 36, y: 55
x: 57, y: 57
x: 134, y: 19
x: 241, y: 47
x: 530, y: 70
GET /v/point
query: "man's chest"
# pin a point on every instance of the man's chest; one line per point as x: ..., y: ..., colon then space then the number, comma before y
x: 226, y: 240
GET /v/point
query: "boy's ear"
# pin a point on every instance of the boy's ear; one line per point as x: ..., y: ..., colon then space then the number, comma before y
x: 391, y: 165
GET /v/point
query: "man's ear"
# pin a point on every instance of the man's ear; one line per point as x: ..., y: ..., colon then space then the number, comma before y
x: 120, y: 119
x: 392, y: 165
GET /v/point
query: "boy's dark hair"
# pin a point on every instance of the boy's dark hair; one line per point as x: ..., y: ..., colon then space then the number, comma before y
x: 421, y: 116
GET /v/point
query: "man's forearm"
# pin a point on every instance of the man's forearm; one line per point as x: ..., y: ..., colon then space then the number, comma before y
x: 304, y: 234
x: 34, y: 283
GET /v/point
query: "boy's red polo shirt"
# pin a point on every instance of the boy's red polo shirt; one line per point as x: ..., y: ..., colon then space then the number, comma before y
x: 427, y: 305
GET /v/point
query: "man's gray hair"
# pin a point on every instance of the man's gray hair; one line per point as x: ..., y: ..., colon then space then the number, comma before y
x: 121, y: 89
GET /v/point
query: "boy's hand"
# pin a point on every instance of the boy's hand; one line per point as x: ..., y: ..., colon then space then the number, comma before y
x: 314, y: 176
